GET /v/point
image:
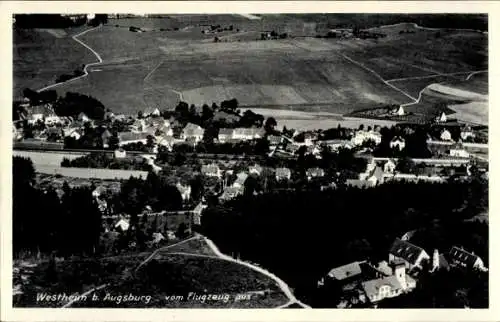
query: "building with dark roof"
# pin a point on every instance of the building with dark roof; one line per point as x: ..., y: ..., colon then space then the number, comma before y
x: 463, y: 258
x: 412, y: 255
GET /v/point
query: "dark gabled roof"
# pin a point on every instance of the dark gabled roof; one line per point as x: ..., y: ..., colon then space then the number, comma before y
x: 463, y: 256
x: 405, y: 250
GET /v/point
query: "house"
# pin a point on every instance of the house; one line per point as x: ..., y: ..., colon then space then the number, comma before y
x: 123, y: 224
x: 99, y: 191
x: 255, y: 169
x: 230, y: 193
x: 192, y: 131
x: 337, y: 144
x: 283, y: 174
x: 185, y: 191
x: 157, y: 238
x: 397, y: 142
x: 398, y: 111
x: 441, y: 118
x: 151, y: 111
x: 413, y: 256
x: 389, y: 286
x: 241, y: 177
x: 361, y: 136
x: 389, y: 166
x: 52, y: 119
x: 463, y: 258
x: 83, y: 117
x: 139, y: 125
x: 211, y: 170
x: 166, y: 141
x: 362, y: 183
x: 225, y: 135
x: 344, y: 272
x: 458, y: 151
x: 315, y: 173
x: 243, y: 133
x: 274, y: 140
x: 439, y: 262
x: 132, y: 137
x: 467, y: 133
x: 309, y: 138
x: 105, y: 136
x: 445, y: 135
x: 120, y: 153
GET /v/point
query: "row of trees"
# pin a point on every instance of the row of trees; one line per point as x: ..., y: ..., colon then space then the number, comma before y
x: 357, y: 223
x: 103, y: 161
x: 43, y: 223
x: 72, y: 104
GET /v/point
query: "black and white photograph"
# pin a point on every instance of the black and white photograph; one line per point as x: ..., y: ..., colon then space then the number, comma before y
x: 250, y: 161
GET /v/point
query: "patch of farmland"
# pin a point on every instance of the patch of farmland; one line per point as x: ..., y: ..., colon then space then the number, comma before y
x: 119, y: 89
x: 473, y: 112
x: 39, y: 57
x: 451, y: 93
x: 176, y: 274
x: 478, y: 83
x: 195, y: 245
x: 414, y: 86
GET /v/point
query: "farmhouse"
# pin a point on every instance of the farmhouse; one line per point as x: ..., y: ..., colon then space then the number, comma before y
x: 467, y: 133
x: 225, y: 135
x: 120, y: 153
x: 441, y: 118
x: 139, y: 125
x: 251, y: 133
x: 150, y: 111
x: 192, y: 131
x: 337, y: 144
x: 389, y: 166
x: 398, y: 111
x: 361, y: 136
x: 461, y: 257
x: 445, y: 135
x: 411, y: 255
x: 274, y: 140
x: 255, y: 169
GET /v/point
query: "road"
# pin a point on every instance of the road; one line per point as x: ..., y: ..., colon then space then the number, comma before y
x: 85, y: 72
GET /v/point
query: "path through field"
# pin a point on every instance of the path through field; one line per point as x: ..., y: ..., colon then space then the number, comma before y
x: 219, y: 255
x: 85, y: 72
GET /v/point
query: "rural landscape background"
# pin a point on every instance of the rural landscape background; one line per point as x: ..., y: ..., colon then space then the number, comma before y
x: 173, y: 60
x: 281, y: 160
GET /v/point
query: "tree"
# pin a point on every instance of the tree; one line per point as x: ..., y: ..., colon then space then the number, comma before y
x: 270, y: 125
x: 150, y: 141
x: 113, y: 142
x: 406, y: 165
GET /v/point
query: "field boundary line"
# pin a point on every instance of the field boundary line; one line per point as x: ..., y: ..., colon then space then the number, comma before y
x: 152, y: 71
x: 425, y: 28
x: 433, y: 76
x: 475, y: 73
x: 160, y: 249
x: 379, y: 77
x: 85, y: 72
x: 283, y: 286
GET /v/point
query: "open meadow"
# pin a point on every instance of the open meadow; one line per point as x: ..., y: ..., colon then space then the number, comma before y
x: 173, y: 60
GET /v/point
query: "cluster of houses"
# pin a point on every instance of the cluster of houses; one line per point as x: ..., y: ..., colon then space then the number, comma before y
x: 362, y: 282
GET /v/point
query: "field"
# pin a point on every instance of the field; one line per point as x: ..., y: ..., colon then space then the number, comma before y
x: 177, y: 275
x: 40, y: 56
x: 173, y: 60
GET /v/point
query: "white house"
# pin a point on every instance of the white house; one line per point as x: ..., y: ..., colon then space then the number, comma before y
x: 412, y: 255
x: 389, y: 286
x: 398, y: 111
x: 255, y: 169
x: 123, y: 224
x: 120, y: 153
x: 52, y: 120
x: 151, y: 112
x: 362, y: 136
x: 132, y: 137
x: 397, y: 143
x: 458, y: 151
x: 441, y: 118
x: 192, y: 131
x: 445, y: 135
x: 389, y: 166
x: 467, y: 133
x: 283, y: 173
x: 211, y: 170
x: 185, y: 191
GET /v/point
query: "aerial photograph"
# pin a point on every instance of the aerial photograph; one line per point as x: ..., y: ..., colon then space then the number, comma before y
x: 314, y: 160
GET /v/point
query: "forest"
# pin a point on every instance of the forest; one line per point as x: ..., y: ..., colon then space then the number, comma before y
x: 301, y: 235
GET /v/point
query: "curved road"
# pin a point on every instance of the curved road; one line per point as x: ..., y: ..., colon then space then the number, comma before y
x: 85, y: 72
